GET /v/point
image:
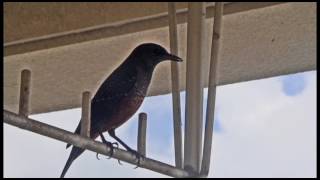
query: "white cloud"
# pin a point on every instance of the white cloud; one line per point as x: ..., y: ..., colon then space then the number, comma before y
x: 267, y: 134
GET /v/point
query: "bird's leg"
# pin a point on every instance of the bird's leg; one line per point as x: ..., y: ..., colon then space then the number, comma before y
x: 109, y: 144
x: 138, y: 155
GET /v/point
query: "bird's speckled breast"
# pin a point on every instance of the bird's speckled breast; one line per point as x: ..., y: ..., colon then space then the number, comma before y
x: 132, y: 100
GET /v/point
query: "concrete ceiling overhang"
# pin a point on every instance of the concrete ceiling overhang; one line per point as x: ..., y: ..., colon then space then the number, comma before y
x: 71, y: 48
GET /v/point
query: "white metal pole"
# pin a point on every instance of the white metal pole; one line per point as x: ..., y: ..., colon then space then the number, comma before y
x: 216, y: 37
x: 194, y: 87
x: 175, y: 86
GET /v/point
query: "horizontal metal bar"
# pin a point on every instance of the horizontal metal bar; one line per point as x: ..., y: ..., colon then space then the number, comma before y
x: 116, y: 29
x: 92, y: 145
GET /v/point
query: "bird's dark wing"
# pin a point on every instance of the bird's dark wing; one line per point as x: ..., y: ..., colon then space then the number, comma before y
x: 112, y: 90
x: 118, y: 85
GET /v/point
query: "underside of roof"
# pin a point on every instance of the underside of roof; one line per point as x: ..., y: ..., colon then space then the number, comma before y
x: 73, y: 47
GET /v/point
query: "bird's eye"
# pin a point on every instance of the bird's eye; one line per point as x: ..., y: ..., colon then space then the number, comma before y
x: 157, y: 52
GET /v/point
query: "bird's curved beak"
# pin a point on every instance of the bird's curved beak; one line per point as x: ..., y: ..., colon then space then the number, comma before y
x: 172, y: 58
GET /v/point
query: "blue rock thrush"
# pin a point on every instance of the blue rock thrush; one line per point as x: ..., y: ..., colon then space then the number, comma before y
x: 121, y: 94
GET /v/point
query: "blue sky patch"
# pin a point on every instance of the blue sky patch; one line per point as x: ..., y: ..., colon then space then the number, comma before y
x: 217, y: 127
x: 294, y: 84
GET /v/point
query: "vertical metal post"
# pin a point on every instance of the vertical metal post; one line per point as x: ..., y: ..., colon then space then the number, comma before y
x: 175, y: 86
x: 194, y: 87
x: 86, y: 114
x: 24, y: 93
x: 217, y: 26
x: 142, y: 128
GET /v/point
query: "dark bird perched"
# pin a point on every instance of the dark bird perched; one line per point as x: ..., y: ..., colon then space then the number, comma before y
x: 121, y: 94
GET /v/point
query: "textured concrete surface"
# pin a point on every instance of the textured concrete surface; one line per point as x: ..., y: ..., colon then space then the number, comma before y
x: 56, y: 31
x: 57, y: 17
x: 257, y: 44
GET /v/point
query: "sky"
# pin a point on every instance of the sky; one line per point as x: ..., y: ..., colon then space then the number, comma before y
x: 262, y: 128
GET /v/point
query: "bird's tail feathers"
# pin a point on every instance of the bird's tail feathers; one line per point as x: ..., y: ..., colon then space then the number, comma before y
x: 75, y: 152
x: 77, y: 131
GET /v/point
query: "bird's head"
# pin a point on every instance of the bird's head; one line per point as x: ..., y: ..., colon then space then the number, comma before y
x: 151, y: 54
